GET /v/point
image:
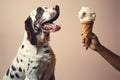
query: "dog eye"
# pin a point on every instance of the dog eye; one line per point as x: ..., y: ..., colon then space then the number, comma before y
x: 46, y: 8
x: 36, y: 28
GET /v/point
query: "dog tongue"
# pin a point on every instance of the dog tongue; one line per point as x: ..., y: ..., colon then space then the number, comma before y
x: 50, y: 26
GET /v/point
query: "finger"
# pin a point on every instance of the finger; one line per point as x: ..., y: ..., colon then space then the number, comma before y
x: 83, y: 40
x: 93, y: 36
x: 82, y: 34
x: 88, y: 42
x: 83, y: 45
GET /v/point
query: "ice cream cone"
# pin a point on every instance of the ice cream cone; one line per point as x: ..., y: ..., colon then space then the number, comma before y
x: 86, y: 31
x: 87, y: 18
x: 87, y: 28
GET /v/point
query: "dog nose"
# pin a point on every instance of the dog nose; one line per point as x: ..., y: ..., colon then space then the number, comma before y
x: 56, y: 7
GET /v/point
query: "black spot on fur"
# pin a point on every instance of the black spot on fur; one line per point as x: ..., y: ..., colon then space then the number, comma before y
x: 13, y: 68
x: 27, y: 68
x: 22, y: 46
x: 7, y: 72
x: 28, y: 64
x: 17, y: 75
x: 17, y: 60
x: 21, y: 60
x: 24, y: 71
x: 30, y: 61
x: 35, y: 67
x: 47, y: 51
x: 20, y: 69
x: 45, y: 46
x: 12, y: 76
x: 40, y: 11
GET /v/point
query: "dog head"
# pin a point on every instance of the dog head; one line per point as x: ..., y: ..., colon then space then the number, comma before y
x: 40, y: 23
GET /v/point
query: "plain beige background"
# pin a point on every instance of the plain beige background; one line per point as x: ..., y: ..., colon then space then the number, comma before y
x: 73, y: 61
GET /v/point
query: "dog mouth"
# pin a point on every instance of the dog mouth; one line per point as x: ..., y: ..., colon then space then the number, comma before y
x: 48, y: 25
x: 51, y: 27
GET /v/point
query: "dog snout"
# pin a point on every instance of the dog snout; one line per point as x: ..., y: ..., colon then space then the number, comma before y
x: 56, y: 7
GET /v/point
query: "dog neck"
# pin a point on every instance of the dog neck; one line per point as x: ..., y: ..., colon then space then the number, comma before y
x: 41, y: 39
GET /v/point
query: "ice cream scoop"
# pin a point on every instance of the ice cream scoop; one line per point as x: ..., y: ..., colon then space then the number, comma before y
x: 86, y: 14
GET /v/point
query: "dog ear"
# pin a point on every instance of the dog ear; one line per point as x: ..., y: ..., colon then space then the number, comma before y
x: 30, y: 31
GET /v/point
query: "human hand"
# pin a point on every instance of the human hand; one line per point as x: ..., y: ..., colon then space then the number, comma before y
x: 91, y: 42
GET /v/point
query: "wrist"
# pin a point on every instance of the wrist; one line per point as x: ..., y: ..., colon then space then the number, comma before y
x: 99, y: 47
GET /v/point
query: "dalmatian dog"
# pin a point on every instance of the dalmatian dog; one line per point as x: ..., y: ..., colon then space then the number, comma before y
x: 35, y: 59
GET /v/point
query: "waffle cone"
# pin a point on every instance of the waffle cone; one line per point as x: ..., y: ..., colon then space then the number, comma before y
x: 87, y: 28
x: 86, y: 31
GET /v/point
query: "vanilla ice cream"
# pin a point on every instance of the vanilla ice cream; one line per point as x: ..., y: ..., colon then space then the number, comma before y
x: 86, y: 14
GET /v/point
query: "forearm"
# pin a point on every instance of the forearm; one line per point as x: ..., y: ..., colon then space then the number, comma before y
x: 111, y: 57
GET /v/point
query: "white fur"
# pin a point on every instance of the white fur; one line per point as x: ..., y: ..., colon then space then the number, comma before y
x: 28, y: 52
